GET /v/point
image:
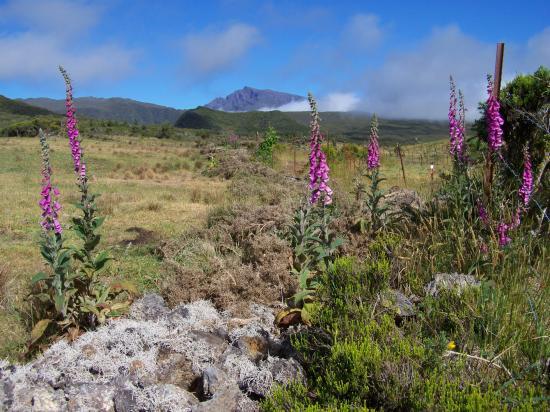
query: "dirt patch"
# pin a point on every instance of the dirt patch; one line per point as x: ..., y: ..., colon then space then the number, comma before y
x: 141, y: 237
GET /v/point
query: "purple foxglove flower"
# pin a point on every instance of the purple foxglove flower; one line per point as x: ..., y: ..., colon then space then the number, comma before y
x: 527, y: 179
x: 373, y: 158
x: 48, y: 203
x: 72, y: 129
x: 318, y: 167
x: 453, y: 124
x: 494, y: 120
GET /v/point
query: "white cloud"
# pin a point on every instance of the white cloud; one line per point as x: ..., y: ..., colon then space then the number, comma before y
x: 45, y: 39
x: 414, y: 84
x: 209, y: 52
x: 363, y: 31
x: 332, y: 102
x: 59, y: 16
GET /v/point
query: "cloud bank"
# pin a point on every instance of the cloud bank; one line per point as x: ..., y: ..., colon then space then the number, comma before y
x: 332, y: 102
x: 414, y: 84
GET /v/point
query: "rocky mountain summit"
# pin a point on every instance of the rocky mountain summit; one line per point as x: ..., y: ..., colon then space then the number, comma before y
x: 191, y: 358
x: 249, y: 99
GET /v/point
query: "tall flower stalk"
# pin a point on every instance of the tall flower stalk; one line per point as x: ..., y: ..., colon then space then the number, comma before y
x: 526, y: 188
x: 494, y: 119
x: 86, y: 226
x: 373, y: 158
x: 318, y: 167
x: 375, y: 194
x: 51, y: 246
x: 49, y: 194
x: 457, y: 122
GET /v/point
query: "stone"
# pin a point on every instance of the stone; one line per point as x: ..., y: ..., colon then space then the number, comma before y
x: 125, y: 401
x: 169, y: 397
x: 228, y: 398
x: 91, y: 396
x: 178, y: 314
x: 212, y: 380
x: 286, y: 370
x: 253, y: 347
x: 216, y: 343
x: 175, y: 368
x: 150, y: 307
x: 401, y: 304
x: 403, y: 200
x: 450, y: 281
x: 45, y: 399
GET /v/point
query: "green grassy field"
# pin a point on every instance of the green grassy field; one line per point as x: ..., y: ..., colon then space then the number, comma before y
x: 150, y: 190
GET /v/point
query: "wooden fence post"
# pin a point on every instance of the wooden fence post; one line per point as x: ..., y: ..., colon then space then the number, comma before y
x: 398, y: 152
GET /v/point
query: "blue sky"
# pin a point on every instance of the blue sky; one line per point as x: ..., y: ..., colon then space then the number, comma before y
x: 389, y: 57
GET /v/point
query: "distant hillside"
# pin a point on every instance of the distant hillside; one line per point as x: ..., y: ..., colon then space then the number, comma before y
x: 114, y: 108
x: 246, y: 123
x: 17, y: 107
x: 356, y: 126
x: 249, y: 99
x: 347, y: 126
x: 16, y: 112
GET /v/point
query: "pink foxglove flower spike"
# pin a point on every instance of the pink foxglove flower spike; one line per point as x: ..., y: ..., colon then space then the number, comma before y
x: 373, y: 159
x: 494, y: 120
x: 318, y: 167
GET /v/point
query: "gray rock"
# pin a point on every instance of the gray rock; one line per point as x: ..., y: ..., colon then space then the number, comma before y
x: 153, y: 360
x: 178, y: 314
x: 254, y: 348
x: 403, y: 200
x: 150, y: 307
x: 450, y: 281
x: 41, y: 398
x: 212, y: 380
x: 91, y: 397
x: 401, y: 304
x: 169, y: 398
x: 175, y: 368
x: 287, y: 370
x: 214, y: 341
x: 227, y: 398
x: 125, y: 400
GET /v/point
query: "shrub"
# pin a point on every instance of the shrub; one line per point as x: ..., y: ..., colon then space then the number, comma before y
x: 265, y: 150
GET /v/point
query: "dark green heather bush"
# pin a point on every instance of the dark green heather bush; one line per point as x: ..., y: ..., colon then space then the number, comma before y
x: 358, y: 358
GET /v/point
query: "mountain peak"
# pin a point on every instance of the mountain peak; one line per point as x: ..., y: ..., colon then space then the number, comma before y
x: 251, y: 99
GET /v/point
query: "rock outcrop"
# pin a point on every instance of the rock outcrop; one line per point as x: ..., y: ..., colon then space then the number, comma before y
x: 190, y: 358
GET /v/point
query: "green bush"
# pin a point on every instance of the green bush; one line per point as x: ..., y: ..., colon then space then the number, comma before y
x: 525, y: 102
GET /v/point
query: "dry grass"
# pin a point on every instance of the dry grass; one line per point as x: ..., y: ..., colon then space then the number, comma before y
x: 416, y: 162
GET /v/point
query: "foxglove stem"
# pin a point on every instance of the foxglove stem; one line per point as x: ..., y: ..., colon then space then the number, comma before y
x: 49, y: 194
x: 373, y: 159
x: 318, y: 167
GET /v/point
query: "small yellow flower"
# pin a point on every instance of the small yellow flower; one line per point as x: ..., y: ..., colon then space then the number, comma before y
x: 451, y: 345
